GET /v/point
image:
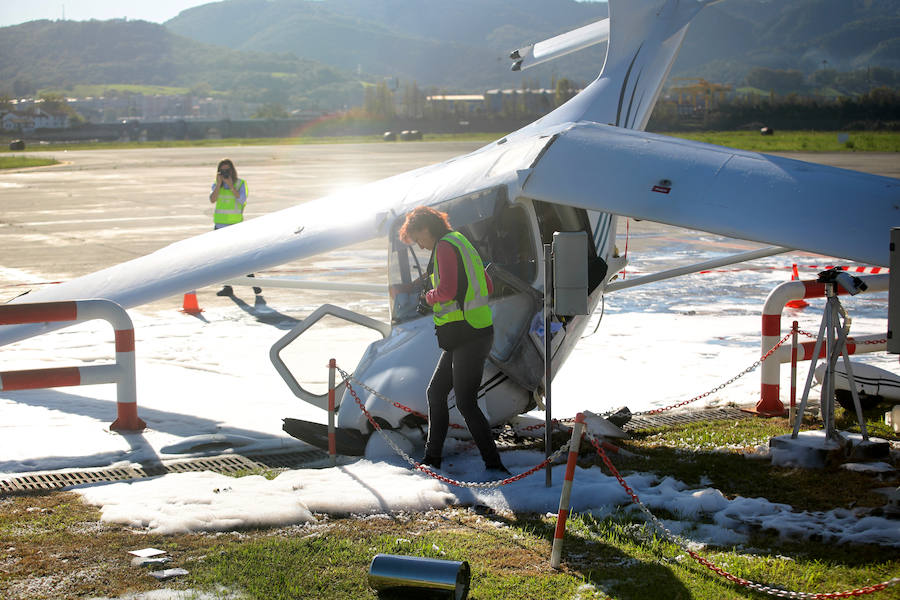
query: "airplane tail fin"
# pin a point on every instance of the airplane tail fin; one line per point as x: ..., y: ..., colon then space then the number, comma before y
x: 644, y: 39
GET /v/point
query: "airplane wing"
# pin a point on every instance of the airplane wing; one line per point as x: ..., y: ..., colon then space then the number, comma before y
x: 739, y: 194
x: 312, y: 228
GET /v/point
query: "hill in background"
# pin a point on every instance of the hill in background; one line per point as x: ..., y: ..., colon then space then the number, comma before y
x: 464, y: 44
x: 63, y: 54
x: 459, y: 44
x: 315, y: 53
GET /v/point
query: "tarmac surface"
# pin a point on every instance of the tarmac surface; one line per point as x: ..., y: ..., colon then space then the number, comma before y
x: 103, y: 207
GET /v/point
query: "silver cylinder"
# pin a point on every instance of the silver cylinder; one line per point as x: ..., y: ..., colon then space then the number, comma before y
x: 390, y: 572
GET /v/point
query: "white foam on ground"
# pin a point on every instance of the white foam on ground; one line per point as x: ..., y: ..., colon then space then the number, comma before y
x: 657, y: 345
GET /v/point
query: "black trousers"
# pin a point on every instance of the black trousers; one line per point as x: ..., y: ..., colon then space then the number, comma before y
x: 460, y: 370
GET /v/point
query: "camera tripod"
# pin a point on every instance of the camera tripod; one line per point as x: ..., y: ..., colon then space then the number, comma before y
x: 833, y: 333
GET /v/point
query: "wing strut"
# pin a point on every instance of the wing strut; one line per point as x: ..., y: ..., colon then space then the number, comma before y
x: 697, y: 267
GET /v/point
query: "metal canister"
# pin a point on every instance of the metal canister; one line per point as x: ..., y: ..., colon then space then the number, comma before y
x: 393, y: 572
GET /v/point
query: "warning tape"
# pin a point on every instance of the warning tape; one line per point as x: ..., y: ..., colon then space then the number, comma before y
x: 864, y: 270
x: 857, y: 269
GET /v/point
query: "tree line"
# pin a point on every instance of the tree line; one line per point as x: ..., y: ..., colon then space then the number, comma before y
x: 877, y: 109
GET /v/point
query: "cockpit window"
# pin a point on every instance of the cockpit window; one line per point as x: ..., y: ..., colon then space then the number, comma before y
x: 501, y: 232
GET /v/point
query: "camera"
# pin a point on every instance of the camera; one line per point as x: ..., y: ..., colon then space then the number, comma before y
x: 422, y: 307
x: 853, y: 285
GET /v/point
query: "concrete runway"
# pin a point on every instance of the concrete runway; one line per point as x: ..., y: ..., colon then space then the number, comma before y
x: 104, y: 207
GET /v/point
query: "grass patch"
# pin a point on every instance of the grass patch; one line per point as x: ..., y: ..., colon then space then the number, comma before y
x: 19, y: 162
x: 84, y: 90
x: 800, y: 141
x: 52, y: 545
x: 713, y: 453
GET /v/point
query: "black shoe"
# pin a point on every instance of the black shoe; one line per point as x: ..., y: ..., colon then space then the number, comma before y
x: 257, y: 290
x: 225, y: 291
x: 432, y: 461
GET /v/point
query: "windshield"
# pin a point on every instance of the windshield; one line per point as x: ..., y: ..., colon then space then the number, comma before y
x: 501, y: 232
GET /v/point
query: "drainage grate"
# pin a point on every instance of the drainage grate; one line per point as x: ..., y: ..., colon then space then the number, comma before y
x: 637, y: 423
x: 233, y: 463
x: 228, y: 463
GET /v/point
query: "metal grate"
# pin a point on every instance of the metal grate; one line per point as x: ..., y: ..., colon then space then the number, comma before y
x: 233, y: 463
x: 637, y: 423
x: 228, y: 463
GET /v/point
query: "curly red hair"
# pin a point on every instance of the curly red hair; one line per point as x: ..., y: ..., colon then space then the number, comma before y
x: 424, y: 217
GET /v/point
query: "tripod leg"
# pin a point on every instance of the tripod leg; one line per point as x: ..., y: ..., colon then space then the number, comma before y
x: 854, y: 392
x: 812, y: 369
x: 832, y: 352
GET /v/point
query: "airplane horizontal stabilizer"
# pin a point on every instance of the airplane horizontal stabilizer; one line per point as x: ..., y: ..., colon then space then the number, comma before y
x: 561, y: 45
x: 745, y: 195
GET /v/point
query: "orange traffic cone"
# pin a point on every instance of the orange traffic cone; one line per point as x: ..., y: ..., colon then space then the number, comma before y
x: 191, y: 306
x: 796, y: 303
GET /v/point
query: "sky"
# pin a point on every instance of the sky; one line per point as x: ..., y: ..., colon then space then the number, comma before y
x: 14, y: 12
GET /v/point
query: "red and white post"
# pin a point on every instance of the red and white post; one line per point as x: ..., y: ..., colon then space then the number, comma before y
x: 770, y: 403
x: 565, y: 496
x: 122, y: 373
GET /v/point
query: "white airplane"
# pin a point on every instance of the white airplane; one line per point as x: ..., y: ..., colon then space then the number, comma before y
x: 579, y: 168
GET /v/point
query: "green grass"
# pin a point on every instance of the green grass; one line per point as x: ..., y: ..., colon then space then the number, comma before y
x: 800, y: 141
x: 58, y: 541
x: 19, y: 162
x: 711, y: 452
x: 85, y: 90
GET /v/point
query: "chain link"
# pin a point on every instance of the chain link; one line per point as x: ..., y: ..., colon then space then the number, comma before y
x: 683, y: 545
x: 814, y: 336
x: 347, y: 377
x: 677, y: 540
x: 719, y: 387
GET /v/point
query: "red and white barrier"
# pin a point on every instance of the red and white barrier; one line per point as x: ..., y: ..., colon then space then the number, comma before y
x: 770, y: 371
x: 566, y: 494
x: 122, y: 373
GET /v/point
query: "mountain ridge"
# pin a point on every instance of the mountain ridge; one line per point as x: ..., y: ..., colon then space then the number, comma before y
x: 316, y: 53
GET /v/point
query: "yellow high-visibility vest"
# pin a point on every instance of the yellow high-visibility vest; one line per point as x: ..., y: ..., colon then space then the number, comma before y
x: 474, y: 310
x: 228, y: 211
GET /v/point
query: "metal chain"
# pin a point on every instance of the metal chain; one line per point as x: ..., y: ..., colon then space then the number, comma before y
x: 814, y: 336
x: 721, y: 385
x: 683, y: 545
x: 345, y: 376
x: 677, y: 540
x: 419, y: 466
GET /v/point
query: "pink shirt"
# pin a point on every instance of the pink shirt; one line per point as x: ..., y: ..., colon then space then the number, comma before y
x: 447, y: 262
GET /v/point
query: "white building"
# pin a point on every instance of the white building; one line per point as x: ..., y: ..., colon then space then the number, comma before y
x: 29, y: 120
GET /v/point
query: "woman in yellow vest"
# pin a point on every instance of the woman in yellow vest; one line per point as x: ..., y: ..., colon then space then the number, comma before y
x: 229, y: 194
x: 464, y: 328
